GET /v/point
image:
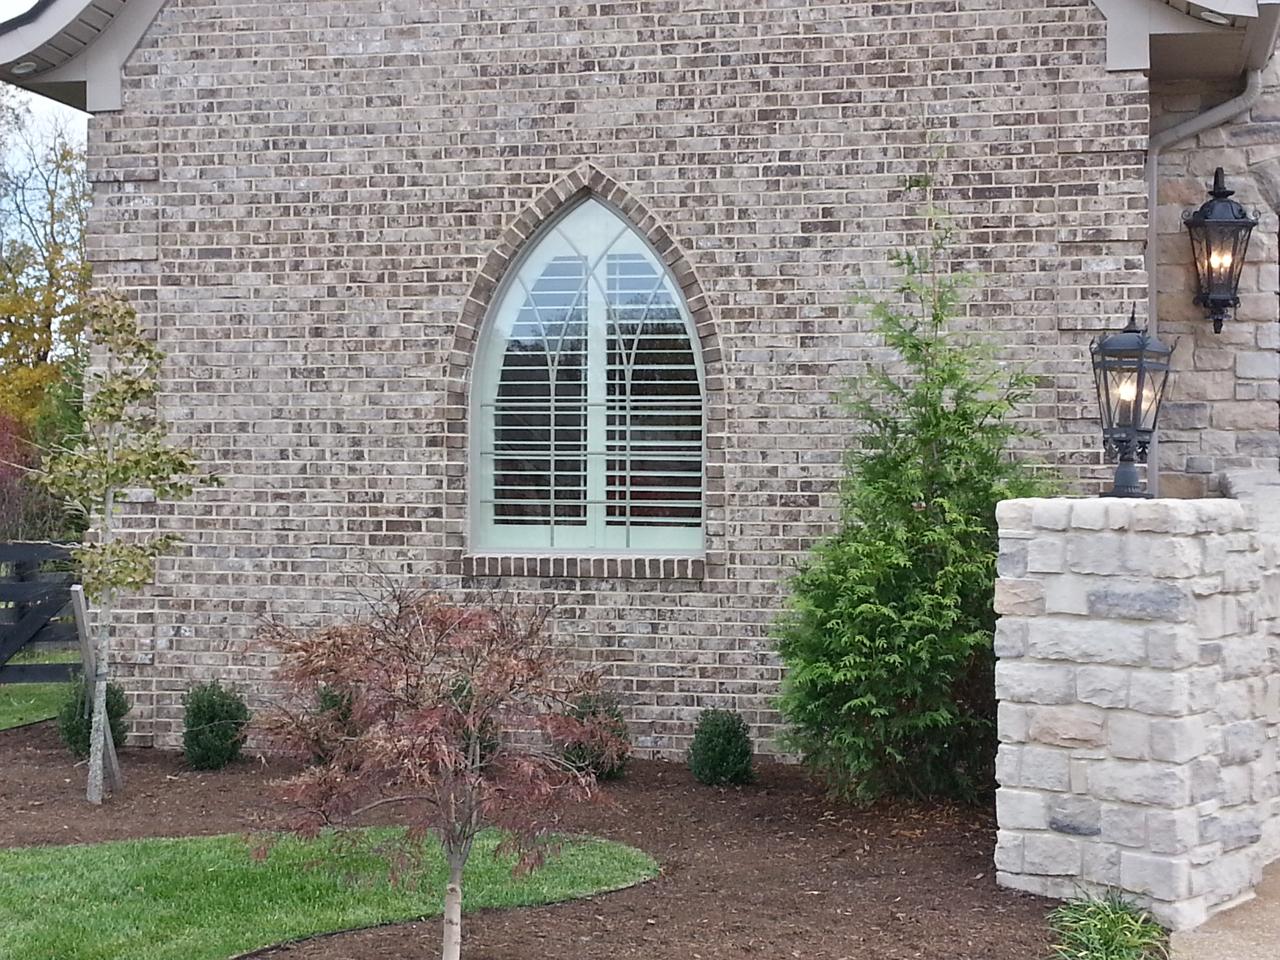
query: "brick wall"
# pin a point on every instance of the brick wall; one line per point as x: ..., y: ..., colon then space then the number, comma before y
x: 1139, y: 687
x: 301, y: 197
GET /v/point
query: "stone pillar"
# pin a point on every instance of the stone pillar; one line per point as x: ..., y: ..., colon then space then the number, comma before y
x: 1139, y: 687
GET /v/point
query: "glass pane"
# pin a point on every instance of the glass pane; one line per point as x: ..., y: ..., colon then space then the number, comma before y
x: 655, y: 409
x: 539, y: 413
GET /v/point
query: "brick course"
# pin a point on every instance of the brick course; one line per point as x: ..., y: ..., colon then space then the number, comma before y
x: 310, y: 202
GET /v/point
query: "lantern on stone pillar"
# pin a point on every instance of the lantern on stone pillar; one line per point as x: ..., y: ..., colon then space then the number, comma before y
x: 1130, y: 369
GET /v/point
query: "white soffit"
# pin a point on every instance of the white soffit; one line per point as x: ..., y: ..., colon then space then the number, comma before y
x: 73, y: 50
x: 1190, y: 39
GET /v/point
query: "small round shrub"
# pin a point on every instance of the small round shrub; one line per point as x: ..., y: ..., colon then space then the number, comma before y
x: 213, y: 726
x: 75, y: 728
x: 333, y: 710
x: 603, y: 712
x: 721, y: 751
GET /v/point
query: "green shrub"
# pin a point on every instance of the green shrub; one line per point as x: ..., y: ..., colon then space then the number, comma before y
x: 213, y: 727
x: 606, y: 764
x: 75, y: 728
x: 721, y: 750
x: 887, y: 639
x: 333, y: 716
x: 1106, y: 928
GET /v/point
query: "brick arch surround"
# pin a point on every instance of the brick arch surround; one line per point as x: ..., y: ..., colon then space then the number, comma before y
x: 587, y: 179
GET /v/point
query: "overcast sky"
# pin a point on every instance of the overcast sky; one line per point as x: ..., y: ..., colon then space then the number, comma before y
x: 41, y: 108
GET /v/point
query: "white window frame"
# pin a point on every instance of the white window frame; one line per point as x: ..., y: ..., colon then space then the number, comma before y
x: 599, y: 237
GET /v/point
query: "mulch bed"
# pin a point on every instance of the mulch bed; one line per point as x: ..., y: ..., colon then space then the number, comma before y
x: 773, y: 871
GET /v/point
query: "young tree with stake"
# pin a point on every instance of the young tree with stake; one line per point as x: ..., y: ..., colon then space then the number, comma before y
x: 457, y: 717
x: 122, y: 448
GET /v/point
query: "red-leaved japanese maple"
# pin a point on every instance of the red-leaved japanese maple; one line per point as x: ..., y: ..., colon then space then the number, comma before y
x: 454, y: 716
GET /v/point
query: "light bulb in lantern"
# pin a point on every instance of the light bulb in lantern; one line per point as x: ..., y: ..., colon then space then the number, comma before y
x: 1128, y: 391
x: 1220, y: 261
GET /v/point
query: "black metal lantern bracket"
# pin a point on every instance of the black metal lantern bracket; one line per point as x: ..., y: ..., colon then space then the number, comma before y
x: 1220, y: 231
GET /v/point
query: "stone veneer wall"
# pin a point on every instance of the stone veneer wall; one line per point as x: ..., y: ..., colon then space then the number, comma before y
x: 306, y: 200
x: 1221, y: 413
x: 1139, y: 686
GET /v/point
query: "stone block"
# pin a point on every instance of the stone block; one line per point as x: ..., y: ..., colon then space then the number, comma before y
x: 1012, y: 723
x: 1171, y: 557
x: 1258, y: 365
x: 1136, y: 600
x: 1015, y: 514
x: 1160, y: 692
x: 1075, y: 815
x: 1179, y: 740
x: 1103, y: 686
x: 1090, y: 514
x: 1124, y: 825
x: 1022, y: 682
x: 1008, y: 854
x: 1165, y: 516
x: 1165, y: 878
x: 1067, y: 726
x: 1022, y: 809
x: 1129, y: 736
x: 1149, y: 783
x: 1101, y: 864
x: 1233, y: 829
x: 1019, y: 598
x: 1010, y: 638
x: 1243, y: 741
x: 1172, y: 831
x: 1046, y: 554
x: 1207, y: 782
x: 1047, y: 854
x: 1098, y: 553
x: 1012, y: 558
x: 1067, y: 594
x: 1044, y: 768
x: 1172, y: 647
x: 1050, y: 514
x: 1081, y: 641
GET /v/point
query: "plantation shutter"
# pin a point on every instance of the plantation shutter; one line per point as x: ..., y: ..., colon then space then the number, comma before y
x: 589, y: 418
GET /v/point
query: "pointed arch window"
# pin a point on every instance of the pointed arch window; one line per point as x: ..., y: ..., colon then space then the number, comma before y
x: 587, y: 402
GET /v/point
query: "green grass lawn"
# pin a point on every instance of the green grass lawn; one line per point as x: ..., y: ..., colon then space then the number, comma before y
x: 29, y: 702
x: 205, y: 898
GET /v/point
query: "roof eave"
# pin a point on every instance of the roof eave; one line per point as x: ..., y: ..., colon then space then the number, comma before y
x: 1169, y: 43
x: 76, y: 47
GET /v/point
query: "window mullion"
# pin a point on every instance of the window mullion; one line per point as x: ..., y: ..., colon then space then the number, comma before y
x: 597, y: 394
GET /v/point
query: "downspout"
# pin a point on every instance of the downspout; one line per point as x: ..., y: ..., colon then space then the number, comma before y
x: 1213, y: 117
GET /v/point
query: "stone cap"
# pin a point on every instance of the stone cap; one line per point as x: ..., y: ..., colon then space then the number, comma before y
x: 1218, y: 515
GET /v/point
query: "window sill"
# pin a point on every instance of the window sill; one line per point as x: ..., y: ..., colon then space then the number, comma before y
x: 686, y: 567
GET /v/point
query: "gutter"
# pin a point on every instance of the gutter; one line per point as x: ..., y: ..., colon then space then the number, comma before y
x: 1213, y: 117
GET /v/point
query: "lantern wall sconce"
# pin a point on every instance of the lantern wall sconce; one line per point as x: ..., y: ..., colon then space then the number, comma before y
x: 1131, y: 369
x: 1220, y: 231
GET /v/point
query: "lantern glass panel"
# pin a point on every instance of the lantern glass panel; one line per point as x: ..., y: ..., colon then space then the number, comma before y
x: 1219, y: 250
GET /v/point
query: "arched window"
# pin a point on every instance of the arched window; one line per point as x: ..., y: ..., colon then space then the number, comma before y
x: 587, y: 399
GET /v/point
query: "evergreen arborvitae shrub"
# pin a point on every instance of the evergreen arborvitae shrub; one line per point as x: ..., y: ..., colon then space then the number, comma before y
x: 213, y: 725
x: 602, y: 712
x: 887, y: 639
x: 75, y: 728
x: 721, y: 750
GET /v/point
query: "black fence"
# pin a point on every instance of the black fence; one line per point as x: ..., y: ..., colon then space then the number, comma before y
x: 35, y: 612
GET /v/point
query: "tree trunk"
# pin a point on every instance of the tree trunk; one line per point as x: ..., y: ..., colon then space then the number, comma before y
x: 99, y: 731
x: 453, y: 908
